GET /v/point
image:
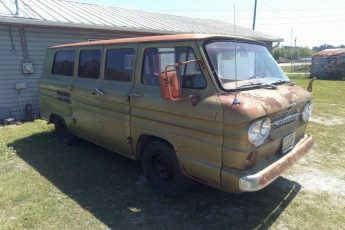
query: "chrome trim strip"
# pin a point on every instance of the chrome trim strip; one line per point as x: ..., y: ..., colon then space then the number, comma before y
x: 285, y: 120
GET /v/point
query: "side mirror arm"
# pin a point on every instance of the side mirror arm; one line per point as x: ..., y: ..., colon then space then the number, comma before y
x: 310, y: 85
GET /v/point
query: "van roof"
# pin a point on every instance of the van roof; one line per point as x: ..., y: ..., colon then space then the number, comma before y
x: 158, y: 38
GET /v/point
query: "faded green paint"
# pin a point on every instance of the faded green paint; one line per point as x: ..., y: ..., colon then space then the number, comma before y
x: 210, y: 139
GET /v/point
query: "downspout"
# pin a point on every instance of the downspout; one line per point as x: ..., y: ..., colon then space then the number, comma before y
x: 24, y: 44
x: 26, y: 61
x: 13, y: 49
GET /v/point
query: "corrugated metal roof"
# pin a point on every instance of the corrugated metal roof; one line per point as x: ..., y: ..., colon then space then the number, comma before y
x: 85, y: 15
x: 331, y: 53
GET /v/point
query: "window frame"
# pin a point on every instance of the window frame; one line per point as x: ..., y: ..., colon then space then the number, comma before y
x: 106, y: 57
x: 167, y: 46
x: 80, y: 51
x: 54, y: 58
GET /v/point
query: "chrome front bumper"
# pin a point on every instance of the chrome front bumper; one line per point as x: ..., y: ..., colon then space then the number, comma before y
x: 237, y: 181
x: 261, y: 179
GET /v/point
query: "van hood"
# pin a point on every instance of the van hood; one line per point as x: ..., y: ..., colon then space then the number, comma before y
x: 257, y: 103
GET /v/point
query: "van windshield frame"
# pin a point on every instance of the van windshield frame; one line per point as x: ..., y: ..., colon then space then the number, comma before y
x: 253, y: 66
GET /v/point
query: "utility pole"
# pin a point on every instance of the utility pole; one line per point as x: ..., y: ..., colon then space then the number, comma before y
x: 254, y: 17
x: 295, y: 41
x: 291, y: 52
x: 295, y: 48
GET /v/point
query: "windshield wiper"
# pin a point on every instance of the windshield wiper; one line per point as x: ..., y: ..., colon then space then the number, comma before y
x: 256, y: 76
x: 257, y: 84
x: 280, y: 82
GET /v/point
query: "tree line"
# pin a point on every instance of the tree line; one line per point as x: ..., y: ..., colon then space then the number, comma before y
x: 284, y: 53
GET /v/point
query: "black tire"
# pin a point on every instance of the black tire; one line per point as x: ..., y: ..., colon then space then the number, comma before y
x: 162, y: 170
x: 62, y: 132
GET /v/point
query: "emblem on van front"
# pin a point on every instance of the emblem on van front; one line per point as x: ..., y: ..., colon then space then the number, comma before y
x: 294, y: 104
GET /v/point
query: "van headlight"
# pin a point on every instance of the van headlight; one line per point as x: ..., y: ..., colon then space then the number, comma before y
x: 258, y: 131
x: 307, y: 111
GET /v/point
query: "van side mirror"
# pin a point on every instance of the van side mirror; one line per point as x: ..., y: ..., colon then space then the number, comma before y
x: 170, y: 85
x: 170, y: 82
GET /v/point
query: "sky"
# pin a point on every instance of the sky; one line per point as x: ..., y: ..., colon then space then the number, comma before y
x: 311, y: 23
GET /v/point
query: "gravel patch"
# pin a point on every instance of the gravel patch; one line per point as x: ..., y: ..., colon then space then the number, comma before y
x: 327, y: 121
x: 318, y: 181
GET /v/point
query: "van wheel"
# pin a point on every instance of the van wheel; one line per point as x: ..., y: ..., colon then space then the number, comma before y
x: 62, y: 132
x: 162, y: 170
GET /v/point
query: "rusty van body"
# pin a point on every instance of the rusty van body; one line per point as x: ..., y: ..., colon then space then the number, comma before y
x: 211, y: 108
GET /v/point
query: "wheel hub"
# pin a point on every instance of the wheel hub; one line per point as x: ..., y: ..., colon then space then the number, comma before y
x: 163, y: 168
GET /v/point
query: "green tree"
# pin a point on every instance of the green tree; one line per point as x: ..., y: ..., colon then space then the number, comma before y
x: 284, y: 52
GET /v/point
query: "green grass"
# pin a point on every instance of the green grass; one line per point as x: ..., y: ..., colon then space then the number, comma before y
x: 297, y: 67
x: 293, y: 76
x: 44, y: 185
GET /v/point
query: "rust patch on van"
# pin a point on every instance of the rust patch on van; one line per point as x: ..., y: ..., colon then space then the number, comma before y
x: 261, y: 102
x: 294, y: 93
x: 270, y: 101
x: 248, y: 105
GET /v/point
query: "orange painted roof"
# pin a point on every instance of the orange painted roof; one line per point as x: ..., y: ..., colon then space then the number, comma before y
x: 330, y: 53
x: 158, y: 38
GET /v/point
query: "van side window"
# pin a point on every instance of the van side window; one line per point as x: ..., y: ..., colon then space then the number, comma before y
x: 119, y: 64
x: 156, y: 59
x: 89, y: 63
x: 63, y: 63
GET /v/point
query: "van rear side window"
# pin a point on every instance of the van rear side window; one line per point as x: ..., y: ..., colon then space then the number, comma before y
x: 119, y: 64
x: 89, y: 63
x: 64, y: 63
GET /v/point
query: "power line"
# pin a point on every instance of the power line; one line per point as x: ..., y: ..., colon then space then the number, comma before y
x: 279, y: 12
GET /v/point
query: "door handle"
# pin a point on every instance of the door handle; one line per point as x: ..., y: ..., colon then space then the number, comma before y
x: 135, y: 94
x: 130, y: 94
x: 97, y: 92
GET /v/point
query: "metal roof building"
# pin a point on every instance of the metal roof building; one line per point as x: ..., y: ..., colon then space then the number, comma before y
x: 28, y: 27
x: 64, y: 13
x: 329, y: 64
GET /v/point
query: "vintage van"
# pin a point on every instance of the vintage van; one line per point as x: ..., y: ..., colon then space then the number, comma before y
x: 216, y: 109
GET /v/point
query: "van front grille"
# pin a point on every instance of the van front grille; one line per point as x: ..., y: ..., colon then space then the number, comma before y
x: 285, y: 118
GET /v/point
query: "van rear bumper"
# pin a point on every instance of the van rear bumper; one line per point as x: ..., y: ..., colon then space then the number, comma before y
x: 262, y: 178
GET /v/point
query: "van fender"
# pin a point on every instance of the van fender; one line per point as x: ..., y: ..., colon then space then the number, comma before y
x: 54, y: 116
x: 148, y: 136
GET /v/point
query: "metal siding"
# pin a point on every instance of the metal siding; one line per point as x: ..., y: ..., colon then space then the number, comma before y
x: 38, y: 39
x: 10, y: 63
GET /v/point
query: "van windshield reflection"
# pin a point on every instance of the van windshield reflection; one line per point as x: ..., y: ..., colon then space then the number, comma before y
x: 243, y: 62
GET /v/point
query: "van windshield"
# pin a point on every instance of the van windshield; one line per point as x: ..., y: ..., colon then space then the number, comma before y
x: 251, y: 65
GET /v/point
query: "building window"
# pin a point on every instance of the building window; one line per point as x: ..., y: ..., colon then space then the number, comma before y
x: 119, y: 64
x: 64, y: 63
x: 89, y: 63
x: 156, y: 59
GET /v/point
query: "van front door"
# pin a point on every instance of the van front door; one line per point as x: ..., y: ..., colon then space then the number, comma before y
x: 193, y: 125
